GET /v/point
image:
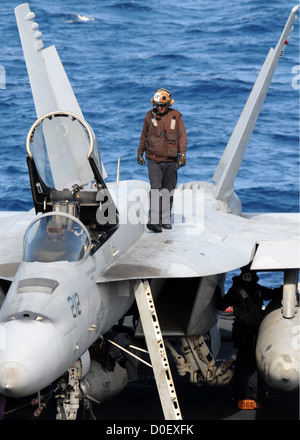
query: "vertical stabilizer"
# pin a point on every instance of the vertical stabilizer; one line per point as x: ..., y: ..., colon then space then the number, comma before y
x: 230, y: 162
x: 50, y: 86
x: 49, y: 83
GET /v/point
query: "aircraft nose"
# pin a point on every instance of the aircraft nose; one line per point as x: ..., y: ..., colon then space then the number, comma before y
x: 30, y: 355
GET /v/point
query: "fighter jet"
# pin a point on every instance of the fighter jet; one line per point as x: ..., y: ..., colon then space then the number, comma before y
x: 82, y: 259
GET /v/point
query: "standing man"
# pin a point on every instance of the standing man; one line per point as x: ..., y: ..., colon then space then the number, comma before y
x: 164, y: 140
x: 246, y: 296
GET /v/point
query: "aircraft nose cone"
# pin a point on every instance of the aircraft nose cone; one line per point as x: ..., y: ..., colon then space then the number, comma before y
x: 13, y: 378
x: 30, y: 356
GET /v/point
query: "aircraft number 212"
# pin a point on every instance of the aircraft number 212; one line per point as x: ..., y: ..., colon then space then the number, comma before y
x: 75, y: 304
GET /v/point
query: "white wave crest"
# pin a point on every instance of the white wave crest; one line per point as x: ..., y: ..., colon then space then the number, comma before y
x: 78, y: 18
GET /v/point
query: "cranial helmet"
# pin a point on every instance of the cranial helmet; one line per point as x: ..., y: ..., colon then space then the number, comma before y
x: 247, y: 274
x: 162, y: 96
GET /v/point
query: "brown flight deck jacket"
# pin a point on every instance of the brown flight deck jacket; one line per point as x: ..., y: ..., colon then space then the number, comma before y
x: 163, y: 136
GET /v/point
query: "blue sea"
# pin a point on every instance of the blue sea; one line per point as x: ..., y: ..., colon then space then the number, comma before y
x: 117, y: 53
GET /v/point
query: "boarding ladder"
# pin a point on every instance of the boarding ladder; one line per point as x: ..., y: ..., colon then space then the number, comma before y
x: 156, y: 349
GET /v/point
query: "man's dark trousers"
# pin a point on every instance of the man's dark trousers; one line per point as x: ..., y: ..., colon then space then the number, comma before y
x: 163, y: 179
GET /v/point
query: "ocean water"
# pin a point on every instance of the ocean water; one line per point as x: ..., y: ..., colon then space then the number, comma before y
x: 117, y: 53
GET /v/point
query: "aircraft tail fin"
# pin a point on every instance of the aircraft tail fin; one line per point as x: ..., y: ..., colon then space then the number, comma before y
x: 230, y: 162
x: 49, y: 83
x: 50, y: 86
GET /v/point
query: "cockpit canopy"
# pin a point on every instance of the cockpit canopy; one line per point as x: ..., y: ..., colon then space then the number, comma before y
x: 56, y: 237
x: 62, y: 146
x: 67, y: 175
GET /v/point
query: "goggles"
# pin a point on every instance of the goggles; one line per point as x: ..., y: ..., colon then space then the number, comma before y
x: 161, y: 105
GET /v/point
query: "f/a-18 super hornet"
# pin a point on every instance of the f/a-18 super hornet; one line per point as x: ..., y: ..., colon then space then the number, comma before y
x: 82, y: 259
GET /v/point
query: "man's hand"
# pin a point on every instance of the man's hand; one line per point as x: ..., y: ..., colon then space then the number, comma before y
x: 140, y: 159
x: 181, y: 161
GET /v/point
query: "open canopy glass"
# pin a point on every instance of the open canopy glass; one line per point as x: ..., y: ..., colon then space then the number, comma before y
x: 61, y: 145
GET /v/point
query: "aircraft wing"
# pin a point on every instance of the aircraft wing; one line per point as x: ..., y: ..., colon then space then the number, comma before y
x: 186, y: 251
x: 217, y: 242
x: 278, y: 240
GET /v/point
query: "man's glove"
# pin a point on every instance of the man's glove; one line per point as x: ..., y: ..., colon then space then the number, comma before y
x: 140, y: 159
x: 181, y: 161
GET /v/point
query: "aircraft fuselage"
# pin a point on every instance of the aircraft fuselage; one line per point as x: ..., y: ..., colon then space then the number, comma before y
x: 52, y: 313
